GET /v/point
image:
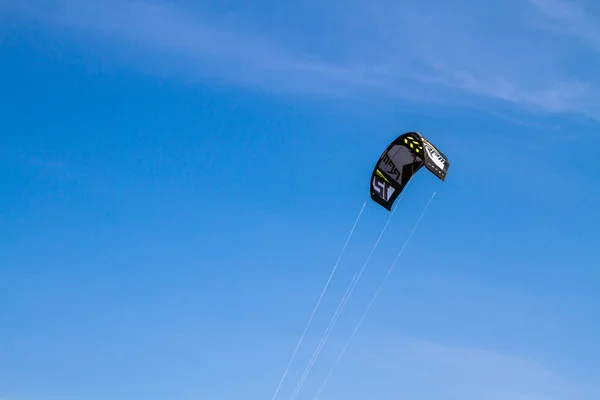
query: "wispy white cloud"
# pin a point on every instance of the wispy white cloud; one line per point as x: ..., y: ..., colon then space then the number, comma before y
x: 571, y: 18
x: 376, y: 366
x: 528, y: 53
x: 404, y: 367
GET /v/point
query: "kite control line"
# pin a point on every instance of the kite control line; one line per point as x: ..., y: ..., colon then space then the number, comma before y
x: 344, y: 301
x: 374, y: 297
x: 337, y: 313
x: 319, y: 301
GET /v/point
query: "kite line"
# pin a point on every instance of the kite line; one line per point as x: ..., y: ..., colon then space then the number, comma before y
x: 344, y: 300
x: 319, y: 301
x: 337, y: 313
x: 391, y: 268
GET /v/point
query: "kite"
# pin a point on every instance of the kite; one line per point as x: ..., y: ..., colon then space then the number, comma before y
x: 400, y: 162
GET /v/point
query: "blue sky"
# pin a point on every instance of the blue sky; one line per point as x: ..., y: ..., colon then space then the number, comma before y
x: 178, y: 178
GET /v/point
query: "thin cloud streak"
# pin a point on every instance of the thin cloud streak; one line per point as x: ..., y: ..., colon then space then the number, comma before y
x: 570, y: 19
x: 422, y: 51
x: 421, y: 369
x: 385, y: 366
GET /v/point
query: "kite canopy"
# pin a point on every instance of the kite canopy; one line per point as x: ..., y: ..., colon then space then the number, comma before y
x: 399, y: 162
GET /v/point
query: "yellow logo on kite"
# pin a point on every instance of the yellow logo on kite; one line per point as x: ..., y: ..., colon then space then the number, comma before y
x: 380, y: 174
